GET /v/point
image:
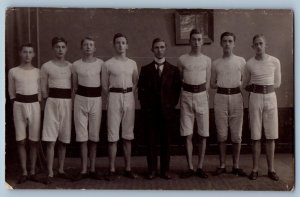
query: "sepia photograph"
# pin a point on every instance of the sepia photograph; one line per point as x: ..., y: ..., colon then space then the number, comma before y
x: 149, y: 99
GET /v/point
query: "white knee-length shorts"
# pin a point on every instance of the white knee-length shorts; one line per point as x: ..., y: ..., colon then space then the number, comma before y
x: 229, y: 111
x: 27, y: 113
x: 263, y: 112
x: 194, y: 105
x: 57, y: 120
x: 87, y: 118
x: 120, y: 110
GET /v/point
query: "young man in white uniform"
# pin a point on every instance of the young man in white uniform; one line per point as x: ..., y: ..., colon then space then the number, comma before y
x: 119, y: 80
x: 195, y: 69
x: 226, y: 76
x: 262, y: 76
x: 87, y: 106
x: 24, y: 92
x: 56, y: 89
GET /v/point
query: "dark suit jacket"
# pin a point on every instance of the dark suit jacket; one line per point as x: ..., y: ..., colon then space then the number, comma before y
x: 170, y: 86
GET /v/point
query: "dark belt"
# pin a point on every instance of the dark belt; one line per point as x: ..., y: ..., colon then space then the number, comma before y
x: 228, y: 91
x: 60, y: 93
x: 89, y: 91
x: 261, y: 89
x: 120, y: 90
x: 27, y: 98
x: 194, y: 88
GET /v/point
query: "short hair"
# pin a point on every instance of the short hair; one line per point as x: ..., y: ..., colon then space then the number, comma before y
x: 28, y: 44
x: 56, y: 40
x: 155, y: 40
x: 195, y: 31
x: 227, y: 34
x: 258, y: 36
x: 119, y: 35
x: 86, y: 38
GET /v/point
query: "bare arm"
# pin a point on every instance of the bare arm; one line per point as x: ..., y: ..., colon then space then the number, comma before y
x: 44, y: 82
x: 180, y: 68
x: 135, y: 77
x: 213, y: 78
x: 39, y: 86
x: 208, y: 74
x: 74, y: 79
x: 246, y: 77
x: 11, y: 85
x: 277, y: 77
x: 104, y: 78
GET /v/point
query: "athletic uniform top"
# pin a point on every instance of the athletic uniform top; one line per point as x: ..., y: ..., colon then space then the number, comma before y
x: 119, y: 74
x: 263, y: 72
x: 195, y: 69
x: 54, y: 76
x: 227, y: 72
x: 87, y: 74
x: 24, y: 82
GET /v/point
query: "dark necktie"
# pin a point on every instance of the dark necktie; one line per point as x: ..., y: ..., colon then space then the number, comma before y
x: 158, y: 68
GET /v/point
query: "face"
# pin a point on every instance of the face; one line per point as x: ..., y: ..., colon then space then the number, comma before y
x: 27, y: 54
x: 159, y: 49
x: 227, y: 43
x: 121, y: 45
x: 259, y: 45
x: 88, y: 47
x: 196, y: 40
x: 60, y: 49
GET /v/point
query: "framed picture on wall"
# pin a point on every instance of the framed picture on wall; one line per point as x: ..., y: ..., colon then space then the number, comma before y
x: 186, y: 20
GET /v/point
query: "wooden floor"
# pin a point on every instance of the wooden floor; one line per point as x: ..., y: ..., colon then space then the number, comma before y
x: 284, y: 164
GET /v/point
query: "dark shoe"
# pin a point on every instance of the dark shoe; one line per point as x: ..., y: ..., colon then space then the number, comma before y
x: 187, y: 174
x: 200, y: 173
x: 96, y: 176
x: 33, y: 178
x: 219, y: 171
x: 111, y: 176
x: 48, y: 180
x: 238, y: 172
x: 273, y: 176
x: 253, y: 175
x: 22, y: 179
x: 81, y: 176
x: 64, y: 176
x: 130, y: 174
x: 151, y: 175
x: 166, y: 176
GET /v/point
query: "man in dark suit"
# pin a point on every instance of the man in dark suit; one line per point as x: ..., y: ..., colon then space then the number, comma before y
x: 158, y: 91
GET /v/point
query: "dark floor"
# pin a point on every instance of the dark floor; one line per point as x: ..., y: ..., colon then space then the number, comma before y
x: 284, y: 164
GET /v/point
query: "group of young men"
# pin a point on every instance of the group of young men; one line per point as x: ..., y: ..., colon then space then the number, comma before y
x: 160, y: 85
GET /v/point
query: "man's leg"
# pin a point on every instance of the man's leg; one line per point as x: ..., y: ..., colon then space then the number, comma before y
x: 92, y: 154
x: 270, y: 151
x: 112, y: 152
x: 236, y: 149
x: 61, y: 156
x: 201, y: 151
x: 236, y: 170
x: 127, y: 154
x: 33, y: 156
x: 23, y: 156
x: 256, y: 149
x: 189, y: 156
x: 222, y: 156
x: 50, y: 158
x: 84, y: 157
x: 189, y: 151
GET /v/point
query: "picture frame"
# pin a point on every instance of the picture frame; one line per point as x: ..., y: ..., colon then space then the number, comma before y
x: 188, y: 19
